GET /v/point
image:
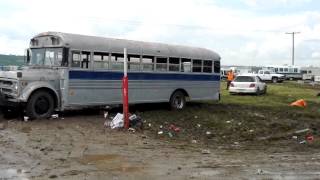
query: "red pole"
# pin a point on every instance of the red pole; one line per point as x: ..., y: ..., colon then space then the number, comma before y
x: 125, y: 92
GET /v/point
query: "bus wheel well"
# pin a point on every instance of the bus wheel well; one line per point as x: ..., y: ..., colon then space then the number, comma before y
x: 185, y: 93
x: 50, y: 91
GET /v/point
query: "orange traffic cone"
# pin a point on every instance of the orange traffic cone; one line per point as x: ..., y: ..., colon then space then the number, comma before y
x: 299, y: 103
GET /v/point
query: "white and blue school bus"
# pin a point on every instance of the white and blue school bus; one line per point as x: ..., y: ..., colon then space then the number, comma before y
x: 73, y: 71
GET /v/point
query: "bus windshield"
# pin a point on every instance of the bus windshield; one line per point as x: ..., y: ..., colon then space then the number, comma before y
x: 46, y: 57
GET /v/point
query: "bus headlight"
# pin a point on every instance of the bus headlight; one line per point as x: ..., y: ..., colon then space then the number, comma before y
x: 15, y: 86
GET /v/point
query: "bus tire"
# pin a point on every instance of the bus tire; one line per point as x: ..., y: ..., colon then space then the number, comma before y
x: 40, y: 105
x: 177, y: 100
x: 274, y: 79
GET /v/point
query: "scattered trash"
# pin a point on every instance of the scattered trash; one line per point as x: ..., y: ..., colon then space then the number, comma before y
x: 302, y: 131
x: 194, y: 141
x: 131, y: 130
x: 25, y: 118
x: 160, y: 132
x: 303, y: 142
x: 259, y: 115
x: 208, y: 133
x: 228, y: 122
x: 294, y: 137
x: 117, y: 121
x: 149, y: 124
x: 105, y: 114
x: 259, y: 171
x: 236, y: 143
x: 205, y: 151
x: 299, y: 103
x: 239, y: 123
x: 54, y: 116
x: 251, y: 130
x: 135, y: 122
x: 196, y: 117
x: 170, y: 134
x: 309, y: 138
x: 107, y: 123
x: 160, y: 126
x: 174, y: 128
x: 199, y: 125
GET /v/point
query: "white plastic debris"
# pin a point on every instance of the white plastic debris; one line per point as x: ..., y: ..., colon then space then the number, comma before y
x: 117, y: 121
x: 294, y: 137
x: 25, y: 118
x: 131, y: 130
x: 149, y: 124
x: 105, y: 114
x: 251, y: 130
x: 205, y: 151
x: 194, y: 141
x: 196, y: 117
x: 132, y: 117
x: 54, y: 116
x: 228, y: 122
x: 302, y: 131
x: 160, y: 126
x: 107, y: 123
x: 198, y: 125
x: 259, y: 171
x: 208, y: 133
x: 160, y: 132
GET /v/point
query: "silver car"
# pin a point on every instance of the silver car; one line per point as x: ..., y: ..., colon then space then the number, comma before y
x: 251, y: 84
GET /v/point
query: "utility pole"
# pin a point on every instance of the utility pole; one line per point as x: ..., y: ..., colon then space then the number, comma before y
x: 292, y: 33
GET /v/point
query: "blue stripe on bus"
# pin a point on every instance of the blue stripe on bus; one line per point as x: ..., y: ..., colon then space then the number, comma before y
x: 99, y: 75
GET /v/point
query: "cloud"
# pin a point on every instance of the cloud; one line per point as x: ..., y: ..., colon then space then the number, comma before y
x: 240, y: 35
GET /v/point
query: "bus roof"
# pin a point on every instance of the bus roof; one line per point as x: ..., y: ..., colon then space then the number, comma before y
x: 102, y: 44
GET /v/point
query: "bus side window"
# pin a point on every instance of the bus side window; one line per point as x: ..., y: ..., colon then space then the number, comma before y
x: 85, y: 60
x: 161, y: 64
x: 174, y: 64
x: 207, y: 66
x: 101, y: 60
x: 117, y: 61
x: 196, y: 65
x: 76, y: 59
x: 147, y: 63
x: 295, y: 70
x: 133, y: 62
x: 216, y: 66
x: 185, y: 65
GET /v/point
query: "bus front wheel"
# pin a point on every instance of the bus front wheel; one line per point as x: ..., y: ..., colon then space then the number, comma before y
x: 177, y: 100
x: 40, y: 105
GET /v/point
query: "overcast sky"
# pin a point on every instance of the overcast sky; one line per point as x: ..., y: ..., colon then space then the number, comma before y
x: 243, y: 32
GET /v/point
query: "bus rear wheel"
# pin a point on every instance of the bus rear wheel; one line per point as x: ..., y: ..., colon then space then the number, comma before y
x: 177, y: 100
x: 40, y: 105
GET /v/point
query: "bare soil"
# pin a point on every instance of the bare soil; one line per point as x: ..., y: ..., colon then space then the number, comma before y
x: 77, y: 146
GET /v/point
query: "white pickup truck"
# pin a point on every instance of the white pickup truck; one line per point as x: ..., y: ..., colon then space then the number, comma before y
x: 267, y: 75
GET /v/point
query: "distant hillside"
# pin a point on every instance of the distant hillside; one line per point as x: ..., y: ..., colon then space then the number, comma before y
x: 6, y: 60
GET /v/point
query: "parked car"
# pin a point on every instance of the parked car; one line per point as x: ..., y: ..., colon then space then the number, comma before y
x: 267, y: 75
x: 251, y: 84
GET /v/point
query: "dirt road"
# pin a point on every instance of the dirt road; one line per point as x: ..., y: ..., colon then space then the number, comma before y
x: 79, y: 147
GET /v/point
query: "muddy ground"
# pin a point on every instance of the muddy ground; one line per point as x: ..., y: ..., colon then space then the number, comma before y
x: 78, y: 146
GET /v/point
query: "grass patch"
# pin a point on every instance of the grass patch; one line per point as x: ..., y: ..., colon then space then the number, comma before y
x: 245, y: 119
